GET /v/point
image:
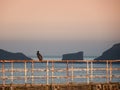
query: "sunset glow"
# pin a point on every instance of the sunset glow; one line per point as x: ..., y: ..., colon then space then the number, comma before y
x: 60, y: 20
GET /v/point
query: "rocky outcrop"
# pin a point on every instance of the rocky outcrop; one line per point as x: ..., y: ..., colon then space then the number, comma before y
x: 111, y: 54
x: 73, y: 56
x: 5, y: 55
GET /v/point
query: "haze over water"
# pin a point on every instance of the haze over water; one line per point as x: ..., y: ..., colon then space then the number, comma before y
x: 55, y: 27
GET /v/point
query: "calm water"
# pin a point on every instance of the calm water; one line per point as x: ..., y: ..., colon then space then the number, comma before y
x: 58, y: 66
x: 60, y: 57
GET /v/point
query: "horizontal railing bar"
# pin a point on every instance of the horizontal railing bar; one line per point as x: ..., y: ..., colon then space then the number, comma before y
x: 59, y: 70
x: 44, y: 77
x: 55, y: 61
x: 115, y: 76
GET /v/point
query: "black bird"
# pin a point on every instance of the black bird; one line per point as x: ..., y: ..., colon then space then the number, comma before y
x: 39, y: 56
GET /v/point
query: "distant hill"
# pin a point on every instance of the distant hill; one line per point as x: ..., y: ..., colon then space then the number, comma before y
x: 73, y: 56
x: 5, y: 55
x: 111, y: 54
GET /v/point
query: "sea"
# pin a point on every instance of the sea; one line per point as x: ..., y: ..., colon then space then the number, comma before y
x: 38, y: 65
x: 60, y: 57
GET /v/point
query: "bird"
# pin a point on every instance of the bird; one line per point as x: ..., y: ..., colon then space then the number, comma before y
x: 39, y: 56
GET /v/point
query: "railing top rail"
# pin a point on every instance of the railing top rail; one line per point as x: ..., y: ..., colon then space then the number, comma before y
x: 74, y: 61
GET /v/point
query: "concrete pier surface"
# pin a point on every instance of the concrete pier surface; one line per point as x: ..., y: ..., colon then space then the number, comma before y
x: 70, y: 86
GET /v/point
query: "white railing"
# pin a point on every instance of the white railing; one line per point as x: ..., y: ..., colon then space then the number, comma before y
x: 50, y: 71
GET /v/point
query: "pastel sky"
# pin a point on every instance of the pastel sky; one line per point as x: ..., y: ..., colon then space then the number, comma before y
x: 59, y: 20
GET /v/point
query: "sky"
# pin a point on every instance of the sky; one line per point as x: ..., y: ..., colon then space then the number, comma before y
x: 56, y: 27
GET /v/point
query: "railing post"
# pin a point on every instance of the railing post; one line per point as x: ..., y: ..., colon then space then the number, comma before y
x: 91, y: 71
x: 25, y: 71
x: 3, y: 73
x: 12, y: 67
x: 32, y: 72
x: 72, y: 72
x: 107, y: 72
x: 47, y: 73
x: 87, y: 71
x: 52, y: 73
x: 67, y: 73
x: 110, y: 71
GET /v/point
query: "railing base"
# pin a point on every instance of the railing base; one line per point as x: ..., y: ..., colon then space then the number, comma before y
x: 81, y: 86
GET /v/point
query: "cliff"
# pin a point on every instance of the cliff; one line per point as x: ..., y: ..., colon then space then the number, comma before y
x: 5, y: 55
x: 73, y: 56
x: 111, y: 54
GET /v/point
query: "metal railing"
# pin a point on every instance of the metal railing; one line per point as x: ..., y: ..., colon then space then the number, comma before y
x: 72, y: 70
